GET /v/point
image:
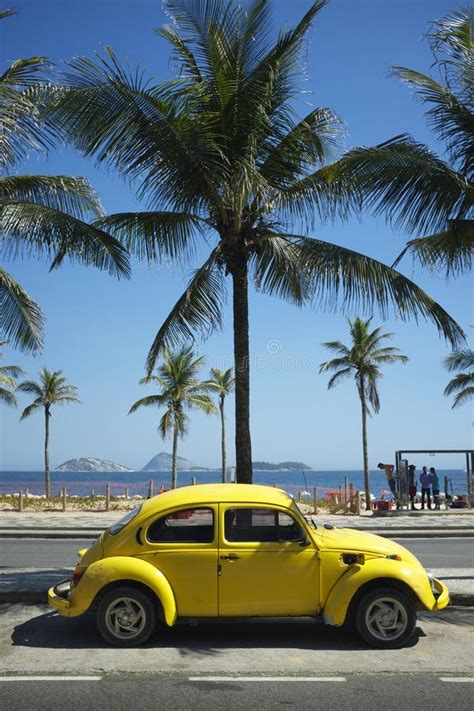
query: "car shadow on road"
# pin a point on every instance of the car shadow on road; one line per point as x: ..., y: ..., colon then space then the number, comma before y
x: 51, y: 631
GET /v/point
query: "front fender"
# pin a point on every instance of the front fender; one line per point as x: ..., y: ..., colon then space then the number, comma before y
x: 117, y: 568
x: 339, y: 599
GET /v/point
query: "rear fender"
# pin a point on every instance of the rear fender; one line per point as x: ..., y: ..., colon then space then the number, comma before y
x: 348, y: 585
x: 114, y: 569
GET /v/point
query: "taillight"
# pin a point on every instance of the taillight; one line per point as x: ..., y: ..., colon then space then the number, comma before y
x: 79, y: 571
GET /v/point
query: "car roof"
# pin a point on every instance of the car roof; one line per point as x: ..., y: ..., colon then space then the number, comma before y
x: 215, y: 493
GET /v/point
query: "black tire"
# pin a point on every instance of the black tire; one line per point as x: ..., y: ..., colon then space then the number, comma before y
x: 126, y: 617
x: 385, y: 618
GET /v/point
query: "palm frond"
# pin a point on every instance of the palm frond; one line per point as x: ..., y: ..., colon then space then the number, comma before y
x: 463, y: 396
x: 156, y: 235
x: 29, y: 386
x: 7, y: 397
x: 407, y: 183
x: 112, y: 114
x: 31, y: 229
x: 198, y: 309
x: 451, y: 250
x: 450, y: 119
x: 147, y: 401
x: 60, y: 192
x: 337, y: 377
x: 21, y: 319
x: 36, y: 405
x: 365, y: 283
x: 460, y: 360
x: 276, y: 264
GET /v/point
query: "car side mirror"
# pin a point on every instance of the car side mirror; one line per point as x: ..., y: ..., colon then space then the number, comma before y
x: 304, y: 542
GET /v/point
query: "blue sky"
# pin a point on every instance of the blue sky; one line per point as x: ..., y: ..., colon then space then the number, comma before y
x: 99, y: 330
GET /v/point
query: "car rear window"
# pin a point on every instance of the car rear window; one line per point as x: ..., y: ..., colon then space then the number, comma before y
x: 121, y: 523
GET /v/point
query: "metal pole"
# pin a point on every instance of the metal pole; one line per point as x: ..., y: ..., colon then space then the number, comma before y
x: 107, y: 496
x: 469, y: 468
x: 315, y: 499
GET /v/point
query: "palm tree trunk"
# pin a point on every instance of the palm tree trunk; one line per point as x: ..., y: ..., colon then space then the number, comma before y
x: 47, y: 477
x: 243, y: 446
x: 364, y: 445
x: 174, y: 471
x: 224, y: 455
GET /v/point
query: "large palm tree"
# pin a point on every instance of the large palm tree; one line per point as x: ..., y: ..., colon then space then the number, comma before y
x: 222, y: 382
x: 8, y: 377
x: 180, y: 390
x: 40, y: 215
x: 51, y: 389
x: 218, y: 152
x: 462, y: 384
x: 431, y: 197
x: 362, y: 359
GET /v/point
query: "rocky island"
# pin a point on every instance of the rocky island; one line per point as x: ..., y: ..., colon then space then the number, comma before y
x: 280, y: 467
x: 162, y: 462
x: 91, y: 464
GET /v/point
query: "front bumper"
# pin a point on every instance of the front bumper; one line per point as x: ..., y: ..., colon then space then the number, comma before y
x: 441, y: 596
x: 58, y: 597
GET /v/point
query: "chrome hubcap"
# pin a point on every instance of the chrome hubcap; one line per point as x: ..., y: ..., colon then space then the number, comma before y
x: 386, y: 618
x: 125, y: 618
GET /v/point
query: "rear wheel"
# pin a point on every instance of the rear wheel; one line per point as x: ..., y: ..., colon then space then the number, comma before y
x: 126, y: 617
x: 385, y: 618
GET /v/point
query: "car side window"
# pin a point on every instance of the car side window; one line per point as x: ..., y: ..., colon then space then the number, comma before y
x: 194, y: 525
x: 260, y: 525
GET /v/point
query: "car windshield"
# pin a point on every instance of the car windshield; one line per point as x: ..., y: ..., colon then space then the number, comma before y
x: 129, y: 516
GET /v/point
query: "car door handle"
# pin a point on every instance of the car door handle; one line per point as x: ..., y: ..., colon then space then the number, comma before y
x: 231, y: 556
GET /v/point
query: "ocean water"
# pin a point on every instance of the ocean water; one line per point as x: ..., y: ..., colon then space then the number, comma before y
x: 83, y: 483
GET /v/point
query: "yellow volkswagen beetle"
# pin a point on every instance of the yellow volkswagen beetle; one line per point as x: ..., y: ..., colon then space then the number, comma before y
x: 237, y: 550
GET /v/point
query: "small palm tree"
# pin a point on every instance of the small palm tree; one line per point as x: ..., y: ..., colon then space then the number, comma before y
x: 180, y: 391
x: 463, y: 383
x: 222, y: 383
x: 51, y: 390
x: 363, y: 360
x: 8, y: 377
x: 41, y: 215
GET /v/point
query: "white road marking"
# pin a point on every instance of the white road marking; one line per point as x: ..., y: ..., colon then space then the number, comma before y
x: 458, y: 679
x: 50, y: 678
x: 266, y: 678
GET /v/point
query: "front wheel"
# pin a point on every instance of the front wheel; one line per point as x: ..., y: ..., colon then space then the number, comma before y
x: 126, y: 617
x: 386, y: 618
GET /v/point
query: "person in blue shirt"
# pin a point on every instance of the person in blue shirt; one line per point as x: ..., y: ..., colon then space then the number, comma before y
x: 412, y: 485
x: 435, y: 488
x: 425, y: 481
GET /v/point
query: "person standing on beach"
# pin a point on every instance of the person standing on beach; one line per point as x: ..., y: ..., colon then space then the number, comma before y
x: 412, y: 485
x: 388, y: 469
x: 425, y: 481
x: 435, y: 488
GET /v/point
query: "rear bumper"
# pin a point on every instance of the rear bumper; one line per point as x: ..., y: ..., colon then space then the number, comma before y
x: 58, y: 597
x: 442, y: 595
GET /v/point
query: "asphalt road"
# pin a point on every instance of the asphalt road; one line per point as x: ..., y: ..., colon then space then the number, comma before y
x: 51, y: 553
x: 345, y: 693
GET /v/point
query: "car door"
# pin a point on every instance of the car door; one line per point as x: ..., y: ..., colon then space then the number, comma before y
x: 267, y: 564
x: 182, y: 544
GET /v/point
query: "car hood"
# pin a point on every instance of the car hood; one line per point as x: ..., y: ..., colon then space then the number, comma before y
x: 348, y: 539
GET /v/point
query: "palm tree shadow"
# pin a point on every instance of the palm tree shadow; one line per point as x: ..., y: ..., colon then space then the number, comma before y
x: 51, y: 631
